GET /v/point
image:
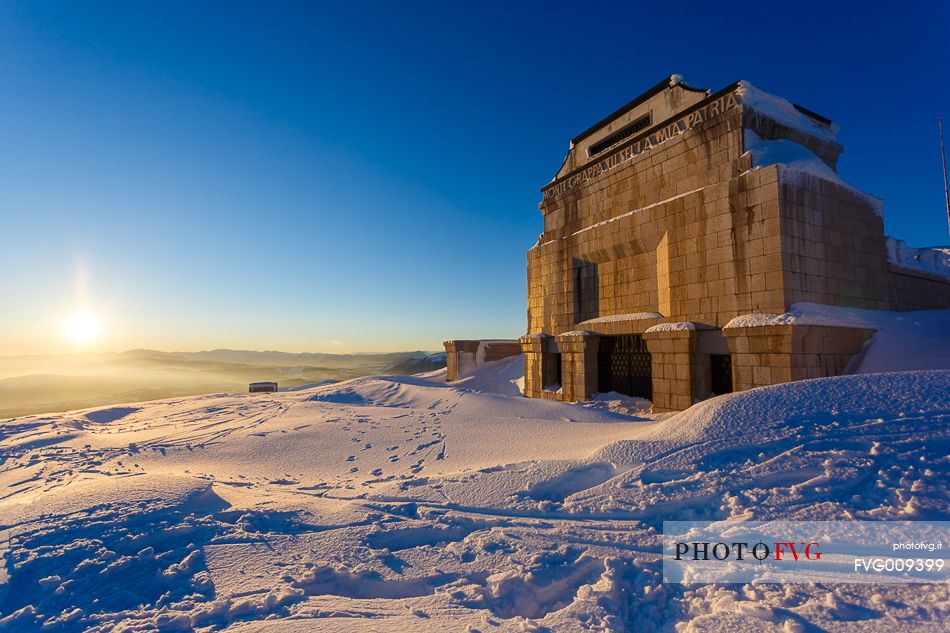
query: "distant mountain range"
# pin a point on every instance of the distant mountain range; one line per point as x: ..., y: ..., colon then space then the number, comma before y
x: 46, y: 383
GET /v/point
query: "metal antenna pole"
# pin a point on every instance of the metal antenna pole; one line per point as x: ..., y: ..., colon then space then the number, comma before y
x: 943, y: 155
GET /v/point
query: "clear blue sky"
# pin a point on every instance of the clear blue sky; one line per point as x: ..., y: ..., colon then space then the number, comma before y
x: 353, y: 176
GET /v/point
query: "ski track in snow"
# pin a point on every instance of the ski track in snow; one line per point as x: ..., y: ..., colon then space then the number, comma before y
x: 405, y: 503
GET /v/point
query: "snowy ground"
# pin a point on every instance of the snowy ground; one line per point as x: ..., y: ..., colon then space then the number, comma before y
x: 402, y: 503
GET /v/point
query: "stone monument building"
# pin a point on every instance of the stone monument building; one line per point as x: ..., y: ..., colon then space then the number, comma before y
x: 679, y: 227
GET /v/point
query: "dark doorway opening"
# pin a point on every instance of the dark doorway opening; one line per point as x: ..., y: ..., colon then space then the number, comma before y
x: 720, y: 366
x: 550, y: 371
x: 624, y: 365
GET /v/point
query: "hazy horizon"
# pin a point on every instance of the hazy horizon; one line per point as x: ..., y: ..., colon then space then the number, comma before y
x: 368, y: 352
x: 34, y: 384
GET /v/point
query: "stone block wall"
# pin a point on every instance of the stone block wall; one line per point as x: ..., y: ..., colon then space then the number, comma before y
x: 773, y: 354
x: 459, y: 358
x: 687, y: 229
x: 675, y: 367
x: 498, y: 350
x: 833, y: 248
x: 918, y: 289
x: 462, y: 356
x: 677, y: 223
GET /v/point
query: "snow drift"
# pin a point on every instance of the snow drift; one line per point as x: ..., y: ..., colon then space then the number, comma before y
x: 405, y: 503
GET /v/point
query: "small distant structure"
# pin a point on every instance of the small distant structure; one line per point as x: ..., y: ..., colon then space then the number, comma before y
x: 462, y: 356
x: 262, y: 387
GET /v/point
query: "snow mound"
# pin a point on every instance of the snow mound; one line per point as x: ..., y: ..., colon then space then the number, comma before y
x: 406, y: 503
x: 738, y: 415
x: 854, y: 447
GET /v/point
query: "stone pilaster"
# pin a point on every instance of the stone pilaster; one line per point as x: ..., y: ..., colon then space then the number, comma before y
x: 459, y: 358
x: 578, y: 365
x: 533, y: 346
x: 675, y: 368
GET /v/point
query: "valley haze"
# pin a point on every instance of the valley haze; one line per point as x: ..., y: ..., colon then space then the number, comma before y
x: 45, y: 383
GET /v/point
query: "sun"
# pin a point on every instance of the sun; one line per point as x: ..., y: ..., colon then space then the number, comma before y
x: 83, y: 326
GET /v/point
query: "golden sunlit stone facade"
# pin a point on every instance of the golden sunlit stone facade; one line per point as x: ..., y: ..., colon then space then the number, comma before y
x: 660, y: 229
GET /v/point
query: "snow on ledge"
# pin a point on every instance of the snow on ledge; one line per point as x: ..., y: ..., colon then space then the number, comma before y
x: 758, y: 319
x: 536, y: 336
x: 797, y: 159
x: 804, y: 314
x: 584, y: 333
x: 786, y: 152
x: 615, y: 318
x: 783, y: 111
x: 680, y: 326
x: 934, y: 260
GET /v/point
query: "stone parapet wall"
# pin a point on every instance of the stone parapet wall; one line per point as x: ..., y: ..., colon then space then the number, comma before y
x: 459, y: 357
x: 768, y: 355
x: 498, y: 350
x: 911, y: 289
x: 462, y: 356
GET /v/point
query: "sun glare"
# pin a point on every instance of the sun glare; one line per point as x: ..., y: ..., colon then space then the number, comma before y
x: 83, y: 327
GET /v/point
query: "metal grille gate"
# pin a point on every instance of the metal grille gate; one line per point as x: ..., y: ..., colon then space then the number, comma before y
x: 624, y: 366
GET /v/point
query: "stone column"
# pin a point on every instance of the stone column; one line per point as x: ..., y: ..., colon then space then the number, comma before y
x: 675, y: 365
x: 459, y: 358
x: 578, y: 365
x: 533, y: 346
